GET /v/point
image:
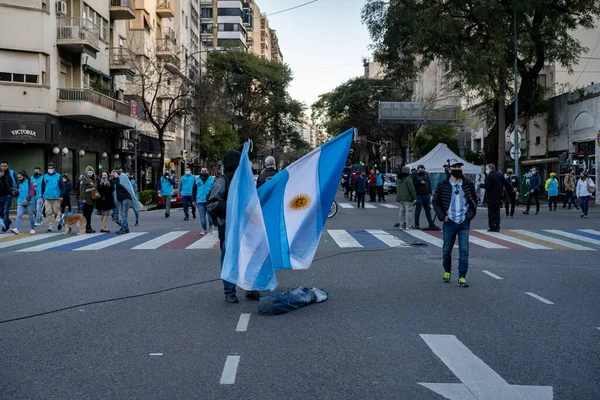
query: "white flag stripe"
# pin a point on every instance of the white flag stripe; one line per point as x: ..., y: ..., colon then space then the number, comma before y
x: 343, y: 238
x: 485, y: 243
x: 254, y: 247
x: 68, y: 240
x: 367, y: 205
x: 574, y: 236
x: 386, y: 238
x: 389, y: 206
x: 159, y: 241
x: 111, y: 242
x: 425, y: 237
x: 514, y: 240
x: 27, y: 239
x: 552, y: 240
x: 345, y: 205
x: 206, y: 242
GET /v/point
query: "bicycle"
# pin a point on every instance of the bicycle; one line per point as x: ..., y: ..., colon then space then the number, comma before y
x: 333, y: 210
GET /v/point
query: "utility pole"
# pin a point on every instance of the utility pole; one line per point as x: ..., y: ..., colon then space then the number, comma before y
x: 501, y: 121
x: 516, y: 133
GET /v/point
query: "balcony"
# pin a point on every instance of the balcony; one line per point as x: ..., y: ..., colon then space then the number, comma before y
x: 164, y: 9
x: 166, y: 49
x: 77, y: 35
x: 87, y: 106
x: 206, y: 2
x: 121, y: 60
x: 122, y: 9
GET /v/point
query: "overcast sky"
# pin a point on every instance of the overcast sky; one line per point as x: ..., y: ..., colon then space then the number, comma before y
x: 323, y: 43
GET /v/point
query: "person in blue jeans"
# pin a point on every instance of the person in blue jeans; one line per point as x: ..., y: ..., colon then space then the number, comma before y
x: 202, y: 188
x: 125, y: 199
x: 25, y: 202
x: 186, y: 189
x: 166, y: 184
x: 455, y: 203
x: 135, y: 190
x: 585, y: 190
x: 36, y: 181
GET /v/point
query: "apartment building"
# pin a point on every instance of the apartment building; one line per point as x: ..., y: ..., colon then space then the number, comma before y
x: 276, y: 54
x: 223, y: 23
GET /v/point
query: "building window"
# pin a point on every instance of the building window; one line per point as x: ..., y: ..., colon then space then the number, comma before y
x: 538, y: 140
x: 542, y: 80
x: 18, y: 78
x: 230, y: 12
x: 21, y: 67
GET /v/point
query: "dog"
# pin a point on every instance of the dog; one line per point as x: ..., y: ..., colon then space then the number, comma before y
x: 69, y: 220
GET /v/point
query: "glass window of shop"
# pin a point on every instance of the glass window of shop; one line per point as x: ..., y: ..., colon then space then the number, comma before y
x: 24, y: 158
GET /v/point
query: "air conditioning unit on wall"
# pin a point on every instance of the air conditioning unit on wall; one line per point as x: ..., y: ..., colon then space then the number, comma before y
x: 61, y: 8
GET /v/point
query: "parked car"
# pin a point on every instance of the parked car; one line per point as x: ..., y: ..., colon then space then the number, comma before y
x: 176, y: 200
x: 389, y: 185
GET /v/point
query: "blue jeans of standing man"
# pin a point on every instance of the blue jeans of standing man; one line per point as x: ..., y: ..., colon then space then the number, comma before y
x: 423, y: 201
x: 124, y: 207
x: 187, y: 202
x: 4, y: 211
x: 204, y: 216
x: 585, y: 204
x: 39, y: 207
x: 228, y: 287
x: 450, y: 231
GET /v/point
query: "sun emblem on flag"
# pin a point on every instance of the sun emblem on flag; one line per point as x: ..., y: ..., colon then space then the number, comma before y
x: 300, y: 202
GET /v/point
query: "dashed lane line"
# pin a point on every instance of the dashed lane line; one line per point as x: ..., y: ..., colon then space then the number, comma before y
x: 492, y: 275
x: 242, y: 325
x: 230, y: 370
x: 540, y: 298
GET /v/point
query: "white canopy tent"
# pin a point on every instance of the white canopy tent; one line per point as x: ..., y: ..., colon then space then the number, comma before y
x: 435, y: 160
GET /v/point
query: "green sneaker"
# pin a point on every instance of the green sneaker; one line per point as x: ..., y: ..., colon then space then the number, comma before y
x: 462, y: 282
x: 446, y: 278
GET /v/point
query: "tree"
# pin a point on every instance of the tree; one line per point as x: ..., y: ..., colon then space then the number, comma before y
x: 475, y: 38
x: 297, y: 149
x: 431, y: 136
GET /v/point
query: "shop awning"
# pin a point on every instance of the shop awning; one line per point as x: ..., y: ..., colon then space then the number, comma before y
x: 540, y: 161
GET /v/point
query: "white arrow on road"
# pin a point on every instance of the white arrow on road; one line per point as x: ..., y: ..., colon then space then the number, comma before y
x: 479, y: 381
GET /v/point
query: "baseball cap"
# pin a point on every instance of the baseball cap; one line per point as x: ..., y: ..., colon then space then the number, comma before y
x: 455, y: 163
x: 421, y: 166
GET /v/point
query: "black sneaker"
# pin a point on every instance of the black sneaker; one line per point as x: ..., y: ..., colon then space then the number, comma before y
x: 397, y: 225
x: 186, y: 219
x: 121, y: 231
x: 526, y: 212
x: 89, y: 230
x: 434, y: 227
x: 59, y: 227
x: 194, y: 216
x: 48, y: 230
x: 137, y: 223
x: 232, y: 298
x: 253, y: 295
x: 119, y: 223
x: 166, y: 215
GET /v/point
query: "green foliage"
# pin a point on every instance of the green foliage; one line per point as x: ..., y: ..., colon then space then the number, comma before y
x: 147, y: 197
x: 475, y: 157
x: 218, y: 141
x: 431, y: 136
x: 298, y: 148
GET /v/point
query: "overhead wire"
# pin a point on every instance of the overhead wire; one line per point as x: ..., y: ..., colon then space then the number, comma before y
x: 292, y: 8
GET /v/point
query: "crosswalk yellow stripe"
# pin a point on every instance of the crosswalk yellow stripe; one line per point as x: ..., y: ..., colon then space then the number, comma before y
x: 535, y: 240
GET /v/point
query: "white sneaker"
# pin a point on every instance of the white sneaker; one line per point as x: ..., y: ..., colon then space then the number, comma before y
x: 38, y: 224
x: 15, y: 231
x: 32, y: 232
x: 203, y: 232
x: 211, y: 229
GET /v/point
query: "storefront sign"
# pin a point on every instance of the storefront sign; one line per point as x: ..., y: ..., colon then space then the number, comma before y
x: 23, y: 131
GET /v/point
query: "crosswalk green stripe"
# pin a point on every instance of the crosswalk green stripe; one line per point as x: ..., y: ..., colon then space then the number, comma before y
x: 21, y: 246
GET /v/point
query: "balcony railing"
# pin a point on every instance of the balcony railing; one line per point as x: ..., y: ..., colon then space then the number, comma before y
x: 72, y: 28
x: 164, y: 9
x: 123, y: 3
x: 96, y: 98
x: 166, y: 47
x: 122, y: 9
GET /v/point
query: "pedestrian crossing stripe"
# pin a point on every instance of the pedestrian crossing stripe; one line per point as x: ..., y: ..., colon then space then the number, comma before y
x: 547, y: 239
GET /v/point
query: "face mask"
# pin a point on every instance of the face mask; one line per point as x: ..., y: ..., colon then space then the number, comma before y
x: 50, y: 171
x: 104, y: 178
x: 487, y: 171
x: 21, y: 180
x: 166, y: 175
x: 36, y: 174
x: 204, y: 174
x: 90, y: 173
x: 188, y: 172
x: 457, y: 173
x: 510, y: 173
x: 421, y: 172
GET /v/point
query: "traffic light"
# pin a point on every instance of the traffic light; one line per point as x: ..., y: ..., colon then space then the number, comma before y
x: 100, y: 166
x: 375, y: 166
x: 361, y: 163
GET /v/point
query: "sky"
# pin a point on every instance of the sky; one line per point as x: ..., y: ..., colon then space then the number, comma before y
x: 323, y: 43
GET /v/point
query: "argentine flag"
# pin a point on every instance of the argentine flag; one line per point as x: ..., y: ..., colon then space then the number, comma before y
x: 247, y: 260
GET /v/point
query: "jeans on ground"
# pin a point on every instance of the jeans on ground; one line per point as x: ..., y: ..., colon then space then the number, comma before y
x: 380, y: 194
x: 168, y: 203
x: 39, y: 207
x: 187, y: 203
x: 450, y: 231
x: 372, y: 193
x: 570, y: 199
x: 535, y: 195
x: 52, y: 211
x: 585, y: 204
x: 494, y: 215
x: 360, y: 199
x: 21, y: 209
x: 204, y: 216
x: 406, y: 213
x: 88, y: 210
x: 511, y: 200
x: 5, y: 210
x: 228, y: 287
x: 124, y: 207
x: 285, y: 302
x: 552, y: 201
x: 423, y: 201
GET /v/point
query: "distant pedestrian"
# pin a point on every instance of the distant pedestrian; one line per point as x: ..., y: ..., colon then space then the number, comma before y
x: 535, y: 183
x: 166, y: 186
x: 115, y: 211
x: 372, y: 186
x: 346, y: 184
x: 204, y: 183
x: 88, y: 193
x: 455, y: 203
x: 380, y: 180
x: 494, y: 185
x: 360, y: 189
x: 66, y: 194
x: 269, y: 172
x: 7, y: 186
x: 585, y: 189
x: 125, y: 200
x: 52, y: 189
x: 551, y: 187
x: 569, y: 183
x: 406, y: 197
x: 511, y: 196
x: 352, y: 180
x: 25, y: 202
x: 423, y: 188
x: 135, y: 190
x: 106, y: 202
x: 185, y: 189
x: 36, y: 181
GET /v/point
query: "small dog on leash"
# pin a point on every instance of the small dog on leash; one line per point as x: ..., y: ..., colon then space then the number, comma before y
x: 69, y: 220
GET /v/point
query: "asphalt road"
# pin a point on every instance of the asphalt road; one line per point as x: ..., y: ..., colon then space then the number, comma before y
x: 389, y: 329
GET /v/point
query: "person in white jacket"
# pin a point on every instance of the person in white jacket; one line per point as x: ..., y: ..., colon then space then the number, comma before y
x: 585, y: 189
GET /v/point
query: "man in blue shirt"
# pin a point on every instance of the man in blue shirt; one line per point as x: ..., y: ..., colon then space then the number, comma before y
x: 201, y: 190
x: 52, y: 189
x: 535, y: 182
x: 455, y: 203
x: 36, y: 181
x: 166, y: 184
x: 186, y: 189
x: 379, y: 183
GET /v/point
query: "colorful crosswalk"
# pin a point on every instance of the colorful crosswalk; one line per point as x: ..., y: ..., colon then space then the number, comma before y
x: 517, y: 239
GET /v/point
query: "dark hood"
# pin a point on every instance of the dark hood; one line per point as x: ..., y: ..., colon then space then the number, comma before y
x: 231, y: 162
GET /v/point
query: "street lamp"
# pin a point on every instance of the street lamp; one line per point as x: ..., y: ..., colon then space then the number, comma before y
x: 134, y: 137
x: 81, y: 153
x: 384, y: 159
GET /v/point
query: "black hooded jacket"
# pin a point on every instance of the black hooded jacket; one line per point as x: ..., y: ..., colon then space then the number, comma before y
x: 217, y: 197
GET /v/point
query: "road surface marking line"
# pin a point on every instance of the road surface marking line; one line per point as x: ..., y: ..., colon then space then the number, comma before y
x: 110, y: 242
x: 591, y: 231
x: 514, y: 240
x: 598, y: 328
x: 553, y: 240
x: 485, y: 243
x: 22, y: 240
x: 492, y: 275
x: 528, y: 237
x: 70, y: 239
x: 425, y: 237
x: 159, y: 241
x: 156, y: 354
x: 386, y: 238
x: 345, y: 205
x: 343, y: 238
x: 369, y: 205
x: 573, y: 236
x: 540, y: 298
x: 206, y: 242
x: 389, y: 206
x: 481, y: 380
x: 242, y: 325
x: 230, y: 370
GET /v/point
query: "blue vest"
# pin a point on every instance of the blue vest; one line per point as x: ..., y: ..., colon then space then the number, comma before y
x: 187, y: 185
x: 38, y: 188
x: 553, y: 187
x: 166, y: 187
x: 203, y: 188
x: 23, y: 191
x: 51, y: 188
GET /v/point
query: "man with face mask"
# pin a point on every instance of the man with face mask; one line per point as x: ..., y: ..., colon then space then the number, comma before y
x: 535, y: 182
x: 166, y: 184
x: 202, y: 187
x: 36, y: 181
x: 52, y: 187
x: 422, y: 186
x: 511, y: 197
x: 7, y: 185
x: 569, y: 183
x: 494, y: 185
x: 455, y: 203
x: 185, y: 189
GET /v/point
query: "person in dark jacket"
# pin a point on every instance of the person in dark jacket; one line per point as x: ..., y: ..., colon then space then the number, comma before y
x: 372, y: 186
x: 87, y: 189
x: 423, y: 188
x: 359, y: 186
x: 106, y: 203
x: 455, y: 203
x: 269, y: 171
x: 494, y: 186
x: 217, y: 208
x: 535, y: 182
x: 511, y: 196
x: 7, y: 185
x: 66, y: 194
x: 405, y: 196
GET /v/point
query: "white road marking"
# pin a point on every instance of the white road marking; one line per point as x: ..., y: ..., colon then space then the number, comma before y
x: 386, y: 238
x: 159, y: 241
x: 345, y: 205
x: 574, y: 236
x: 112, y: 241
x: 492, y: 275
x: 540, y: 298
x: 27, y: 239
x: 206, y: 242
x: 343, y: 238
x: 242, y: 325
x: 367, y: 205
x: 425, y: 237
x: 479, y: 381
x: 156, y: 354
x: 230, y: 370
x: 514, y: 240
x: 552, y: 240
x: 69, y: 239
x: 593, y: 232
x: 388, y: 206
x: 485, y: 243
x: 598, y: 328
